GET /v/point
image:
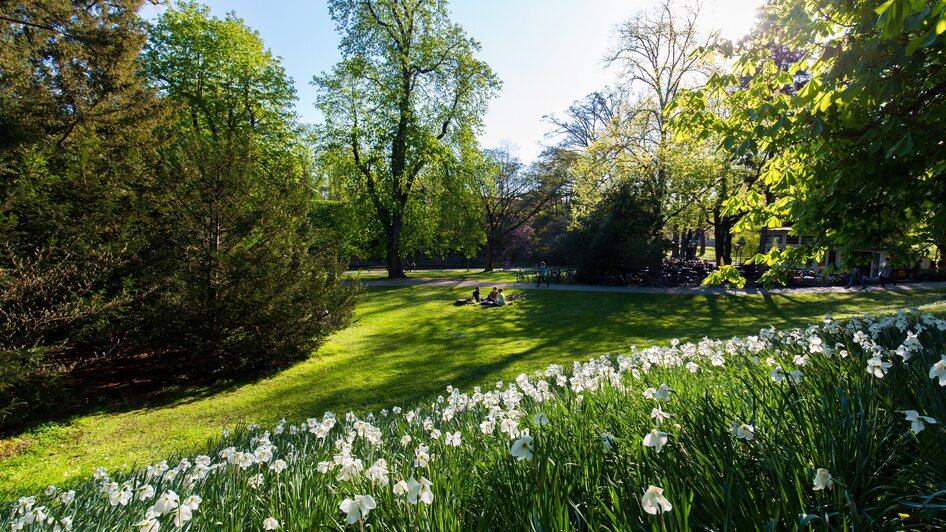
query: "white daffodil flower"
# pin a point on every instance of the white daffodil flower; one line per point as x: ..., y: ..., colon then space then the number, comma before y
x: 452, y: 439
x: 815, y: 344
x: 796, y: 376
x: 149, y: 524
x: 278, y: 466
x: 877, y: 367
x: 743, y: 432
x: 662, y: 393
x: 67, y: 497
x: 182, y: 514
x: 357, y: 507
x: 24, y: 504
x: 777, y: 374
x: 421, y: 455
x: 270, y: 523
x: 918, y: 422
x: 522, y: 448
x: 145, y: 492
x: 655, y: 439
x: 609, y: 444
x: 64, y: 525
x: 263, y: 454
x: 659, y: 415
x: 654, y: 501
x: 419, y: 491
x: 823, y: 480
x: 36, y: 515
x: 166, y: 503
x: 349, y: 469
x: 541, y: 419
x: 938, y: 371
x: 120, y: 497
x: 192, y: 502
x: 401, y: 488
x: 378, y: 472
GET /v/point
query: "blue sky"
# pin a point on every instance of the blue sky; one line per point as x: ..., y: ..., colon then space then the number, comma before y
x: 547, y: 52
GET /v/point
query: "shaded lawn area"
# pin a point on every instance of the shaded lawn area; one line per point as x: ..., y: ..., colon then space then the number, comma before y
x: 475, y: 274
x: 408, y: 344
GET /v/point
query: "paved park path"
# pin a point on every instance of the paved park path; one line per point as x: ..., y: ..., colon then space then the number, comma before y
x: 687, y: 290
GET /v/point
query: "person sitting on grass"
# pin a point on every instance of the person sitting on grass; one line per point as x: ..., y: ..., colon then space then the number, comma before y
x: 476, y: 294
x: 496, y: 298
x: 500, y: 298
x: 491, y: 298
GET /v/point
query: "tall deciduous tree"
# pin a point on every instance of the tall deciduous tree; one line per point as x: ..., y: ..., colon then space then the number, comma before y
x: 658, y: 53
x: 857, y: 151
x: 511, y: 195
x: 399, y: 108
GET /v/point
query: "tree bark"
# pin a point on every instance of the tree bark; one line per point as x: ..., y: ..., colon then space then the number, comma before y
x: 722, y: 229
x: 490, y: 254
x: 395, y: 268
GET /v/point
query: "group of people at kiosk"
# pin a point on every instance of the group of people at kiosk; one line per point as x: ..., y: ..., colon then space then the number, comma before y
x: 495, y: 298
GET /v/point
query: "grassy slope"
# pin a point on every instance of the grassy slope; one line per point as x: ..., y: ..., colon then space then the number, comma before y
x: 411, y: 342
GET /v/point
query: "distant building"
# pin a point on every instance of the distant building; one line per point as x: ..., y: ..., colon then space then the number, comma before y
x: 782, y: 237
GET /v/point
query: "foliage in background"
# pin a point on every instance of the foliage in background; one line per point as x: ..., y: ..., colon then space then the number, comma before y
x: 512, y: 195
x: 239, y: 284
x: 620, y: 235
x: 151, y: 203
x: 76, y: 155
x: 853, y: 126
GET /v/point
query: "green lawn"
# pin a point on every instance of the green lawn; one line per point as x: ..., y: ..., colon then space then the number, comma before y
x: 474, y: 274
x: 409, y: 343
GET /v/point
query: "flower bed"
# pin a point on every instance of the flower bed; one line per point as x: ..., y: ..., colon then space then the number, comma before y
x: 835, y: 425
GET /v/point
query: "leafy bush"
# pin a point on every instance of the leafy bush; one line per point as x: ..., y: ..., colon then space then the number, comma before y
x: 621, y: 235
x: 830, y: 426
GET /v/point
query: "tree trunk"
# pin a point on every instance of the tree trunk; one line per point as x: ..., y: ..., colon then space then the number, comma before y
x: 722, y: 231
x: 675, y: 250
x: 395, y: 267
x: 490, y: 254
x: 689, y: 246
x: 702, y: 242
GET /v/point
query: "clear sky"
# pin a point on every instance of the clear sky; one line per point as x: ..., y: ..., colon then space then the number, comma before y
x: 548, y: 53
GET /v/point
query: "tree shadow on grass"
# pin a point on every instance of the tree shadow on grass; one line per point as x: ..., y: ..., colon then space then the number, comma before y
x: 409, y: 343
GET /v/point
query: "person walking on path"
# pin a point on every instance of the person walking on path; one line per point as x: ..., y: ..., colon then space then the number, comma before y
x: 885, y: 275
x: 857, y: 277
x: 541, y: 275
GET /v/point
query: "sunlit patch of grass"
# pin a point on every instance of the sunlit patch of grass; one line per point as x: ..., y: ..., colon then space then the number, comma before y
x: 409, y: 343
x: 585, y: 463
